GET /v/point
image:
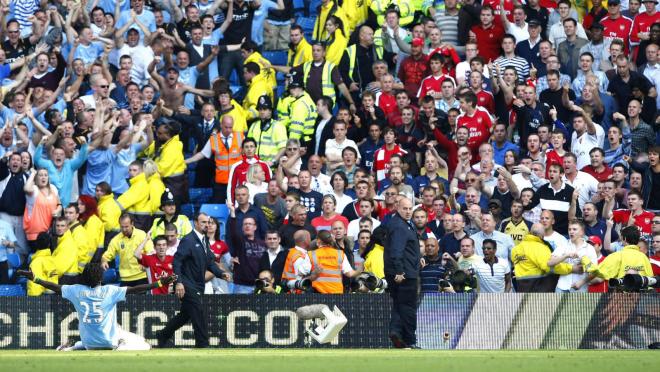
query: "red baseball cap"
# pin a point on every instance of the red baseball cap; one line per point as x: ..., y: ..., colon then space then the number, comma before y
x: 594, y: 240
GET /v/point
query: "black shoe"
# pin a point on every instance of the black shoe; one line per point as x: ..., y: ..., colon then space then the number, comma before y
x: 397, y: 341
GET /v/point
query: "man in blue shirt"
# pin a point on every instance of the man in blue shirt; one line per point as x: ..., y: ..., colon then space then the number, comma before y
x: 60, y: 169
x: 96, y: 306
x: 501, y: 144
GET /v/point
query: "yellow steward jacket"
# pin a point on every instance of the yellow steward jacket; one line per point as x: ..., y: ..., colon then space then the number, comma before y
x: 337, y: 44
x: 530, y: 259
x: 374, y: 262
x: 96, y: 230
x: 83, y: 241
x: 616, y: 264
x: 301, y: 54
x: 330, y: 8
x: 267, y: 73
x: 169, y: 157
x: 156, y: 190
x: 129, y: 268
x: 43, y: 267
x: 302, y: 118
x: 136, y: 198
x: 66, y: 255
x: 109, y: 211
x: 356, y: 12
x: 238, y: 114
x: 270, y: 140
x: 258, y: 87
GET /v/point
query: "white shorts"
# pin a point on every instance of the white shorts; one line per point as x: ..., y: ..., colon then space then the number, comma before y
x: 127, y: 342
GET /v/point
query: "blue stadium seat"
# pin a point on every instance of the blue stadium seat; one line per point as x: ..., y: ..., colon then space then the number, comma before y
x: 188, y: 210
x: 110, y: 276
x: 278, y: 58
x: 298, y: 4
x: 14, y: 260
x: 200, y: 195
x: 218, y: 211
x: 307, y: 23
x: 313, y: 6
x: 233, y: 78
x: 12, y: 290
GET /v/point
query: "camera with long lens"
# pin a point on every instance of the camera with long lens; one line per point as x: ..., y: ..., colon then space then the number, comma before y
x: 634, y: 283
x: 260, y: 284
x: 460, y: 280
x: 300, y: 284
x: 368, y: 282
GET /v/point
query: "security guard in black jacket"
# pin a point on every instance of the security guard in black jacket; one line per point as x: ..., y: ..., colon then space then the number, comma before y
x: 402, y: 265
x: 192, y: 259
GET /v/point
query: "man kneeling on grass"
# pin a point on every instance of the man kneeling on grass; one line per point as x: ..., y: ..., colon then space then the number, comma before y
x: 96, y: 305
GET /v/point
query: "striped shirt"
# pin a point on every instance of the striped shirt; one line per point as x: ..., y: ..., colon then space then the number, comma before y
x: 491, y: 278
x: 23, y: 9
x: 520, y: 64
x: 448, y: 25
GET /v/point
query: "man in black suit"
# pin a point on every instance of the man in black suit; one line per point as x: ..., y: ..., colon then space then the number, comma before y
x: 191, y: 261
x: 402, y: 265
x: 205, y: 126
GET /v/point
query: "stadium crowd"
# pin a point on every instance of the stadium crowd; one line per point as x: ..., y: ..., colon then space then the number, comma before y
x: 523, y: 134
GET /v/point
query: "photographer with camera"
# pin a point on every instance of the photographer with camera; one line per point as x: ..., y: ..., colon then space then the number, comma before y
x: 617, y: 265
x: 330, y: 263
x: 265, y: 283
x: 298, y: 265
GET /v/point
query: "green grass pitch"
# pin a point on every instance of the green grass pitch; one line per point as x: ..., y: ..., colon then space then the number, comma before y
x: 313, y: 360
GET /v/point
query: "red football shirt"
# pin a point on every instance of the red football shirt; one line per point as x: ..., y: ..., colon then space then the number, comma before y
x: 617, y: 29
x: 642, y: 221
x: 495, y: 4
x: 600, y: 287
x: 387, y: 103
x: 642, y: 23
x: 478, y: 124
x: 485, y: 99
x: 489, y: 41
x: 432, y: 84
x: 219, y: 248
x: 158, y: 269
x: 602, y: 176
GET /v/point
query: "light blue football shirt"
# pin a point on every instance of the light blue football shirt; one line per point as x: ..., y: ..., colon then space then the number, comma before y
x: 97, y: 313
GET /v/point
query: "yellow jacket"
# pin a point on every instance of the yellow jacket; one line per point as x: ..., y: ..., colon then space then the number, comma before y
x: 258, y: 87
x: 156, y: 190
x: 85, y: 244
x: 129, y: 268
x: 96, y: 230
x: 284, y: 109
x: 302, y: 118
x: 136, y: 198
x: 356, y: 12
x: 374, y: 262
x: 270, y: 141
x: 302, y: 54
x: 109, y: 212
x: 267, y: 73
x: 182, y: 223
x: 170, y: 159
x: 336, y: 49
x: 616, y: 264
x: 43, y: 267
x: 330, y: 8
x: 530, y: 259
x: 238, y: 114
x: 66, y: 255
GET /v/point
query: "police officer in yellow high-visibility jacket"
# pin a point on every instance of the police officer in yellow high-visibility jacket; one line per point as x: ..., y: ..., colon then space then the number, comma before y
x: 250, y: 54
x: 257, y: 86
x: 269, y: 134
x: 65, y: 254
x: 628, y: 260
x: 327, y: 8
x: 300, y: 51
x: 124, y: 245
x: 406, y: 10
x: 330, y: 263
x: 302, y: 114
x: 42, y: 266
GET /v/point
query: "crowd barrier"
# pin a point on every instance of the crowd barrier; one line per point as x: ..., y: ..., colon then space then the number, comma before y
x: 459, y: 321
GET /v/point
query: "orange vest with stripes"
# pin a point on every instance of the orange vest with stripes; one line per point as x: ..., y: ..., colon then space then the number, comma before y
x: 225, y: 158
x: 329, y: 260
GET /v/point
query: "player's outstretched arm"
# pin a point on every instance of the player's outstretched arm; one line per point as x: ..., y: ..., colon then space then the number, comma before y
x: 48, y: 285
x: 145, y: 287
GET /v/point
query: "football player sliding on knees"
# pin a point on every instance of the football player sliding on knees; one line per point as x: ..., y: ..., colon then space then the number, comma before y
x: 96, y: 305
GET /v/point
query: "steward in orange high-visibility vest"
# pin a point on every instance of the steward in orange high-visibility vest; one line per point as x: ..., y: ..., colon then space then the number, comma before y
x: 329, y: 262
x: 225, y: 157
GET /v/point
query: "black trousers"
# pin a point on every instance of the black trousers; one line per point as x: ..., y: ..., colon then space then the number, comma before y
x: 133, y: 283
x: 4, y: 272
x: 219, y: 193
x: 191, y: 309
x: 403, y: 320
